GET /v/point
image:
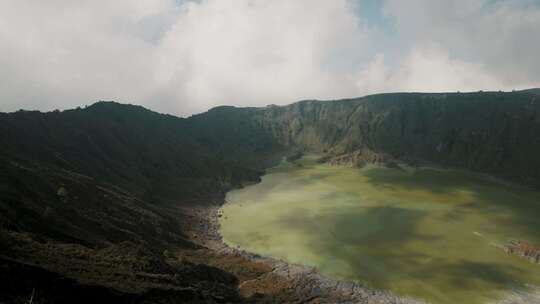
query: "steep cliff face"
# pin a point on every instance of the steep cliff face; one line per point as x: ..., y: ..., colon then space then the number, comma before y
x: 75, y: 182
x: 491, y: 132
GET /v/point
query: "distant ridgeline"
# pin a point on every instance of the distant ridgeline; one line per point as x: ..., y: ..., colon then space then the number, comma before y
x: 490, y: 132
x: 162, y: 158
x: 112, y: 172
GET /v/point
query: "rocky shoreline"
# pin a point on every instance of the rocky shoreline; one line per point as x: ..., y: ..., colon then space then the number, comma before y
x: 523, y: 249
x: 306, y: 282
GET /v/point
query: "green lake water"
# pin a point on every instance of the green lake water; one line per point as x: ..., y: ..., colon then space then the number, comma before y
x: 423, y: 233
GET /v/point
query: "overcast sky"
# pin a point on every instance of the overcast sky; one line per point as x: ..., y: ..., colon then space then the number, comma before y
x: 183, y: 57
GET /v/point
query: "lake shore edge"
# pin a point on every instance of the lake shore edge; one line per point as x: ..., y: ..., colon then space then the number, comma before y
x: 306, y: 280
x: 346, y: 291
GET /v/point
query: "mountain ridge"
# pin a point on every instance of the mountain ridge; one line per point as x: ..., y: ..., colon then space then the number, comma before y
x: 100, y: 176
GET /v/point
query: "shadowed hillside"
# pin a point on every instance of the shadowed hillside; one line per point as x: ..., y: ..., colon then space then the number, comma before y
x: 122, y: 166
x: 491, y: 132
x: 84, y: 188
x: 97, y: 177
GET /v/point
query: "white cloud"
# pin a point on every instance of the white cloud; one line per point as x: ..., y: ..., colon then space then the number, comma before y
x: 501, y: 36
x: 185, y: 57
x: 257, y: 51
x: 63, y: 54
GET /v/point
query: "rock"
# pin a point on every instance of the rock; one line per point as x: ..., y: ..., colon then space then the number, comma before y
x: 523, y: 249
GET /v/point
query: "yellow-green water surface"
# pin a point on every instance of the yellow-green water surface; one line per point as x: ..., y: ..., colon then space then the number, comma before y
x: 424, y: 233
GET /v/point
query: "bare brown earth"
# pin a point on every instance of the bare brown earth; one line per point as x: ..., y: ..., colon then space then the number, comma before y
x: 131, y: 272
x: 116, y: 203
x: 268, y: 280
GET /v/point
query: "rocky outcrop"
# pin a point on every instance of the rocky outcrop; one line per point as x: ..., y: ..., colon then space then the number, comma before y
x: 110, y: 173
x: 489, y: 132
x: 524, y: 250
x: 360, y: 158
x: 54, y: 272
x: 530, y: 295
x: 122, y: 167
x: 270, y: 280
